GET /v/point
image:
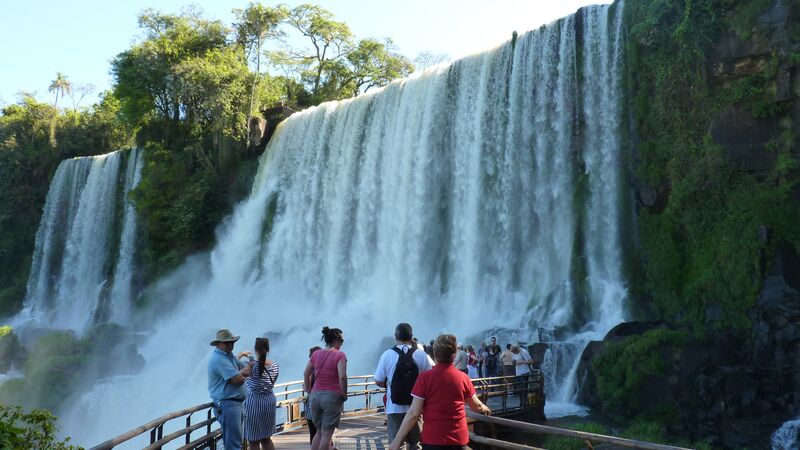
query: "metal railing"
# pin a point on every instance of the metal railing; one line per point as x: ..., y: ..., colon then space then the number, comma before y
x: 498, y: 392
x: 291, y: 404
x: 156, y: 429
x: 512, y: 393
x: 586, y: 437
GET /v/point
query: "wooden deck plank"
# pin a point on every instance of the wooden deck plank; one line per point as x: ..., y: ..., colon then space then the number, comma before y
x: 361, y: 432
x: 354, y: 433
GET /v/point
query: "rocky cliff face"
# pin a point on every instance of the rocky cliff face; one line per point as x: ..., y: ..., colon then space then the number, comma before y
x: 748, y: 135
x: 730, y: 390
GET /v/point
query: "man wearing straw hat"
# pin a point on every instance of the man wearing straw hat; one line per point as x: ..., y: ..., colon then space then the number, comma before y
x: 226, y: 376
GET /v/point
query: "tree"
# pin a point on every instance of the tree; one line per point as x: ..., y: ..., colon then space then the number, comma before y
x: 333, y: 66
x: 254, y: 25
x: 60, y: 86
x: 213, y: 88
x: 78, y: 92
x: 375, y: 64
x: 144, y: 75
x: 330, y: 42
x: 37, y: 429
x: 428, y: 59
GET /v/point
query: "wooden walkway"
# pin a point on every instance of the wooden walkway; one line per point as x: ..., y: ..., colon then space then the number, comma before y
x: 354, y: 433
x: 360, y: 432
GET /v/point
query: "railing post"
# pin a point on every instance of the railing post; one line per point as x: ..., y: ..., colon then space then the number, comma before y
x: 160, y: 433
x: 208, y: 427
x: 505, y: 394
x: 188, y: 424
x: 153, y: 435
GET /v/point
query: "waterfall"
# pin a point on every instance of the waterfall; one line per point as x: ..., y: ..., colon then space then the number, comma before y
x: 479, y: 195
x: 601, y: 155
x: 786, y: 437
x: 87, y: 235
x: 122, y: 288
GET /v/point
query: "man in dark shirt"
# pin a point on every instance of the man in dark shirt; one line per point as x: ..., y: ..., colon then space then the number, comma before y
x: 493, y: 360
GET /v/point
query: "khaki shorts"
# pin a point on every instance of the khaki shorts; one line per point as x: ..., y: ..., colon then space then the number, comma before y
x: 326, y: 409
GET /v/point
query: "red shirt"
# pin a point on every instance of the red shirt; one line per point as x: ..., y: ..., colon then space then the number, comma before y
x: 444, y: 389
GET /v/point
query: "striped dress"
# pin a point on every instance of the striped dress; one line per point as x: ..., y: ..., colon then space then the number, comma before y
x: 259, y: 408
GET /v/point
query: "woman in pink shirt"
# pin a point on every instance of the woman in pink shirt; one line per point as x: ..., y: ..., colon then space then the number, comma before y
x: 327, y: 372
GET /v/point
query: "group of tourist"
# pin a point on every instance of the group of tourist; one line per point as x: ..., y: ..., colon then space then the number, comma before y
x: 431, y: 383
x: 490, y: 360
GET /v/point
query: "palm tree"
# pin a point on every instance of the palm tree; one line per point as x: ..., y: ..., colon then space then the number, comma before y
x: 60, y: 86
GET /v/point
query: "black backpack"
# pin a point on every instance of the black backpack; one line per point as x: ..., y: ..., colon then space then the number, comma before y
x: 405, y: 375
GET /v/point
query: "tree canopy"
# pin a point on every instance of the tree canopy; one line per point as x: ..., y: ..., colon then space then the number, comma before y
x: 186, y: 90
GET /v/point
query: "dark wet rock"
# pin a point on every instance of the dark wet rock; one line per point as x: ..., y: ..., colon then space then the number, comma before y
x: 745, y: 139
x: 12, y: 353
x: 258, y: 129
x: 626, y: 329
x: 734, y: 389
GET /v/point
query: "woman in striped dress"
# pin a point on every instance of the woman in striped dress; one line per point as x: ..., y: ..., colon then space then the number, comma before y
x: 259, y: 408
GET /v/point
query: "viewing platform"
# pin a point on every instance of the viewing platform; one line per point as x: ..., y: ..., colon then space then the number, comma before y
x: 362, y: 426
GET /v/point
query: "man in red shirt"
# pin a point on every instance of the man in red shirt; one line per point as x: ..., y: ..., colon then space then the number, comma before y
x: 439, y: 397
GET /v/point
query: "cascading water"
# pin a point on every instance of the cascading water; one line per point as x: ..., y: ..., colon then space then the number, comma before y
x: 601, y: 97
x: 87, y: 233
x: 458, y: 200
x: 787, y: 437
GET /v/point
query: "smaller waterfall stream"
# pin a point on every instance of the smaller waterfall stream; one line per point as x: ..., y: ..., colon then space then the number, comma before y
x: 83, y: 261
x: 787, y: 437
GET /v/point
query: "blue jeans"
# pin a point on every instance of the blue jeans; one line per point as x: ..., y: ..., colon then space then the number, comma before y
x: 229, y: 416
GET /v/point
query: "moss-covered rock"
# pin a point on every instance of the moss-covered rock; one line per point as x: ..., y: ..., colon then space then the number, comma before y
x: 11, y: 351
x: 59, y: 361
x: 716, y: 153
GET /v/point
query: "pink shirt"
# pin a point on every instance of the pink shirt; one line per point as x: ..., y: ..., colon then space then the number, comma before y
x: 326, y: 370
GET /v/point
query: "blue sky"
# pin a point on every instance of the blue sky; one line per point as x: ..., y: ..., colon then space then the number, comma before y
x: 80, y: 37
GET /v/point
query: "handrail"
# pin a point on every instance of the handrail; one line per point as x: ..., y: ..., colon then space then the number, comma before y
x: 544, y: 429
x: 290, y: 398
x: 293, y: 398
x: 182, y: 432
x: 500, y: 444
x: 111, y: 443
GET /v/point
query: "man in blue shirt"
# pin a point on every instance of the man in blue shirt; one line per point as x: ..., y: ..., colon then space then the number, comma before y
x: 226, y: 376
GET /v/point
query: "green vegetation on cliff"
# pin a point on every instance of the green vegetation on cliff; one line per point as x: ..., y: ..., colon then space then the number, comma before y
x: 58, y: 363
x: 703, y: 258
x: 622, y: 368
x: 34, y: 138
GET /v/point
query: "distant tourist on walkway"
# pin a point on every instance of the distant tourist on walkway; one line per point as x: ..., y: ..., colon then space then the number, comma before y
x: 429, y: 352
x: 397, y: 371
x: 312, y: 429
x: 522, y: 361
x: 259, y: 408
x: 327, y: 373
x: 507, y: 361
x: 472, y: 362
x: 226, y: 376
x: 493, y: 358
x: 483, y: 355
x: 461, y: 359
x: 439, y: 397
